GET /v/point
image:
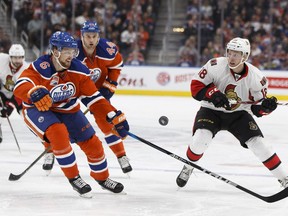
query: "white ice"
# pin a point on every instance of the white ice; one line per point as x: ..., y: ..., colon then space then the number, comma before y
x: 151, y: 188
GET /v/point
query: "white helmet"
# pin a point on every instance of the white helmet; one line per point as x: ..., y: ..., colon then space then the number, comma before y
x: 239, y: 44
x: 16, y: 50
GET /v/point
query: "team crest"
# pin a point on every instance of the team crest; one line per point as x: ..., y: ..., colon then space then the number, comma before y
x: 253, y: 126
x: 63, y: 92
x: 95, y: 74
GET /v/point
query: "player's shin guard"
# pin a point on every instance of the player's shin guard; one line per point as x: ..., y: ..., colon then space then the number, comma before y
x: 116, y: 145
x: 94, y: 151
x: 58, y: 137
x: 201, y: 141
x: 269, y: 158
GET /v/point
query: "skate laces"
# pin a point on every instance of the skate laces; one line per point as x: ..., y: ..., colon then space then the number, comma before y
x: 124, y: 161
x: 49, y: 158
x: 109, y: 183
x: 185, y: 173
x: 79, y: 182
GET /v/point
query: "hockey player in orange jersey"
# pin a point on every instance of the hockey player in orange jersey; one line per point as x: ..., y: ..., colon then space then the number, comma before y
x: 105, y: 63
x: 50, y: 89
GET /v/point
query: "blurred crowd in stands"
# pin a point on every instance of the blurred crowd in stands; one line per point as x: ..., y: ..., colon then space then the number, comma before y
x: 263, y: 22
x: 131, y: 27
x: 5, y: 41
x: 127, y: 24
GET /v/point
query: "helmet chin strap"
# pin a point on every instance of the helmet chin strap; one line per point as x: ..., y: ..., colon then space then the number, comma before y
x: 57, y: 60
x: 241, y: 62
x: 231, y: 67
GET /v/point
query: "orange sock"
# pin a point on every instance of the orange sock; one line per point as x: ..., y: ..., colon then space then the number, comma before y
x: 96, y: 158
x: 58, y: 137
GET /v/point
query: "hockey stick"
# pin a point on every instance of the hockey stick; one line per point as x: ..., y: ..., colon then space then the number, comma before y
x: 86, y: 111
x: 253, y: 102
x: 1, y: 101
x: 13, y: 133
x: 13, y: 177
x: 273, y: 198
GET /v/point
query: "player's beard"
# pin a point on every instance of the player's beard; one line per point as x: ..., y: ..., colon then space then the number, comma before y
x: 16, y: 65
x: 65, y: 63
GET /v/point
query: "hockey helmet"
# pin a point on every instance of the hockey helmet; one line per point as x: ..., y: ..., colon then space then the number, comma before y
x: 90, y: 26
x: 239, y: 44
x: 62, y: 39
x: 16, y: 50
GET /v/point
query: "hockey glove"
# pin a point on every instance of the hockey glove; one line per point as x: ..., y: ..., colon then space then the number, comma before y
x: 121, y: 126
x: 41, y: 98
x: 216, y: 97
x: 267, y: 106
x: 108, y: 89
x: 6, y: 109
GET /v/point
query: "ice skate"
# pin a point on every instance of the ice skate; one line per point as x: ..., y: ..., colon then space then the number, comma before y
x: 284, y: 182
x: 48, y: 162
x: 111, y: 185
x: 184, y: 176
x: 81, y: 187
x: 124, y: 164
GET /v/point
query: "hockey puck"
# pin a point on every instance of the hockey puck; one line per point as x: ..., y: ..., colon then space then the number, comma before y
x: 163, y: 120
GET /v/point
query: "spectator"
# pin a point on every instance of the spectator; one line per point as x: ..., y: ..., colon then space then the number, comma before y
x: 24, y: 15
x: 34, y: 28
x: 128, y: 38
x: 58, y: 17
x: 135, y: 58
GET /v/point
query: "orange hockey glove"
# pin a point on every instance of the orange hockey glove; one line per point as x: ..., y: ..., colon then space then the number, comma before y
x: 40, y: 96
x: 121, y: 126
x: 108, y: 89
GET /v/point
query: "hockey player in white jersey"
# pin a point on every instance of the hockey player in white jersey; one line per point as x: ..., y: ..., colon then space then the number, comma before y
x: 221, y: 85
x: 11, y: 66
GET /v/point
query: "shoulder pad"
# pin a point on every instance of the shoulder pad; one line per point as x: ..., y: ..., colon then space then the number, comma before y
x: 106, y: 49
x: 44, y: 66
x: 76, y: 65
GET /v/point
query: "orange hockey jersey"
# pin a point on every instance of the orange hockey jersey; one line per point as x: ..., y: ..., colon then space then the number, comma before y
x: 65, y: 87
x: 106, y: 63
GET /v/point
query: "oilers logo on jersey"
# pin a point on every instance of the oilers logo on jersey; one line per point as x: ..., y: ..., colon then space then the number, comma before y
x: 95, y: 74
x: 63, y: 92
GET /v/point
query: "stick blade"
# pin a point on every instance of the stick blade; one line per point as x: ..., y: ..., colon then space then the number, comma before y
x: 13, y: 177
x: 276, y: 197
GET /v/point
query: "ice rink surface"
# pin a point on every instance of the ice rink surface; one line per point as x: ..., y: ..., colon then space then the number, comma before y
x: 151, y: 189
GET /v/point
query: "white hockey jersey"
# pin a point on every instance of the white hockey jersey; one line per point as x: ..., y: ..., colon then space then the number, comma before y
x: 250, y: 86
x: 8, y: 75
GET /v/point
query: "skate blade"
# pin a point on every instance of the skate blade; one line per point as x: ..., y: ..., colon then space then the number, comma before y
x: 47, y: 172
x: 87, y: 195
x: 128, y: 175
x: 111, y: 192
